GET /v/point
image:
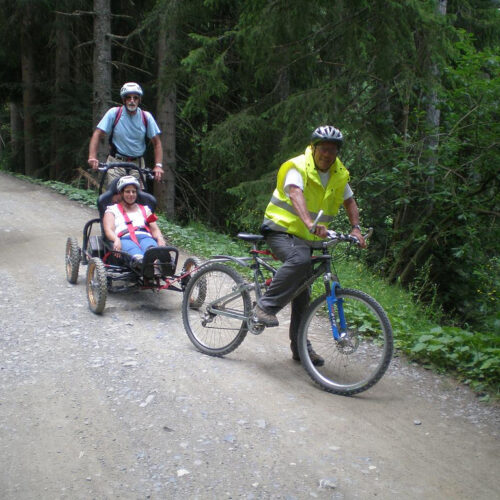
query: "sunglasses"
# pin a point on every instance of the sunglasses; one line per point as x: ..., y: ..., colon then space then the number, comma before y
x: 327, y: 149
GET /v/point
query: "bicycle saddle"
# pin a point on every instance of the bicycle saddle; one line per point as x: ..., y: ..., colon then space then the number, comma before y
x: 250, y: 237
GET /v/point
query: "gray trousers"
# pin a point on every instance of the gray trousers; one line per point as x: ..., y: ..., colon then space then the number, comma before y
x: 295, y: 254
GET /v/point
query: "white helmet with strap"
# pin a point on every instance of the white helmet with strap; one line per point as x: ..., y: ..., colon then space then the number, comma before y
x: 130, y: 88
x: 327, y: 133
x: 127, y: 180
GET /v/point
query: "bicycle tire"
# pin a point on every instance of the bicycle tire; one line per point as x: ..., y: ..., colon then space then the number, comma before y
x: 356, y: 363
x: 73, y: 258
x: 190, y: 265
x: 97, y: 290
x: 211, y: 333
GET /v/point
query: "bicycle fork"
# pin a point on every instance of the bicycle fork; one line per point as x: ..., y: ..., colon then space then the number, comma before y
x: 333, y: 302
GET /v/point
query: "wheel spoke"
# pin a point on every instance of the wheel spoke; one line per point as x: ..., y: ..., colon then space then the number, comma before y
x: 213, y: 308
x: 357, y: 360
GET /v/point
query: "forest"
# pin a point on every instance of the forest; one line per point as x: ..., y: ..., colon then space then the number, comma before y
x: 237, y: 87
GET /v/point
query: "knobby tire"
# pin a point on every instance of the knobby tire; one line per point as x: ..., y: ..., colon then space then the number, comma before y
x: 211, y: 333
x: 356, y: 364
x: 72, y: 260
x: 97, y: 289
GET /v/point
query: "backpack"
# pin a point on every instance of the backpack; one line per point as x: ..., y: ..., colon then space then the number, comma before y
x: 119, y: 111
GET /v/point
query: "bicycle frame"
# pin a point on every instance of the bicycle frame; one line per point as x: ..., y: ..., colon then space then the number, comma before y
x: 215, y: 306
x: 255, y: 263
x: 345, y: 329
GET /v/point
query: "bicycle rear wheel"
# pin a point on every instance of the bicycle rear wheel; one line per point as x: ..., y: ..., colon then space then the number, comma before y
x: 215, y: 308
x: 358, y: 360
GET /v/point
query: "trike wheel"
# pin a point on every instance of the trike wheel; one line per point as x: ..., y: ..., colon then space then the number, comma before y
x: 359, y: 358
x: 96, y: 285
x: 198, y: 294
x: 216, y: 319
x: 73, y: 257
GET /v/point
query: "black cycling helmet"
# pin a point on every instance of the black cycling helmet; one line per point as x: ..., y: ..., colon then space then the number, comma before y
x: 327, y: 133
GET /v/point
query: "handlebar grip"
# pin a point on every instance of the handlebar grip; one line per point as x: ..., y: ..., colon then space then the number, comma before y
x: 315, y: 223
x: 333, y: 236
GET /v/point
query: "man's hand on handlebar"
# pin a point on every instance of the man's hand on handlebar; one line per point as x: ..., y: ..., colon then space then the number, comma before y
x: 158, y: 173
x: 317, y: 229
x: 357, y: 234
x: 93, y: 163
x: 321, y: 231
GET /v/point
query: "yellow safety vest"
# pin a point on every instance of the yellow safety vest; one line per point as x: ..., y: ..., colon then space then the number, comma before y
x: 281, y: 216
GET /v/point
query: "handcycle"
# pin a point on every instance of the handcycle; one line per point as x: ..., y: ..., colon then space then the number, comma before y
x: 112, y: 271
x: 346, y: 327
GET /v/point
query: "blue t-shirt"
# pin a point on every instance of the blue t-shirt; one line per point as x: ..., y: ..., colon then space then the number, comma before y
x: 129, y: 132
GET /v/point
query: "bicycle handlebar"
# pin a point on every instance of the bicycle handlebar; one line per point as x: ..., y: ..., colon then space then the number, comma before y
x: 334, y: 237
x: 104, y: 167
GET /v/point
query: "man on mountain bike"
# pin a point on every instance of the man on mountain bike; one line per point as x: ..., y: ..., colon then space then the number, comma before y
x: 316, y: 180
x: 128, y: 127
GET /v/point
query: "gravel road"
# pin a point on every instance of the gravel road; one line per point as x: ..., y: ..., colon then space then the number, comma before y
x: 122, y: 405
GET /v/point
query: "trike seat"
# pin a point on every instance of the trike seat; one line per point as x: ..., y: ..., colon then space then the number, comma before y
x: 106, y: 199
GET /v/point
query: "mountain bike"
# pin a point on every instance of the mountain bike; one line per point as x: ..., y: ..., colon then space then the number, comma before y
x: 346, y: 327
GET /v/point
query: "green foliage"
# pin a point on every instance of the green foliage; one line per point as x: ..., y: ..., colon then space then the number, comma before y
x: 253, y: 198
x: 210, y: 71
x: 474, y: 356
x: 199, y: 240
x: 235, y: 150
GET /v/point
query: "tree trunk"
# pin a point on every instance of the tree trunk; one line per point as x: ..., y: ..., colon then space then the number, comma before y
x: 31, y: 164
x: 16, y: 132
x: 167, y: 103
x: 433, y: 114
x: 62, y: 80
x: 102, y: 64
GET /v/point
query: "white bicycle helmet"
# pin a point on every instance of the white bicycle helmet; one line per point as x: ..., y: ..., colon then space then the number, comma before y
x: 127, y: 180
x: 130, y: 88
x: 327, y: 133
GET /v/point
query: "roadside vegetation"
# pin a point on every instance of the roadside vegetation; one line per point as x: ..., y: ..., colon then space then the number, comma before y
x: 421, y: 331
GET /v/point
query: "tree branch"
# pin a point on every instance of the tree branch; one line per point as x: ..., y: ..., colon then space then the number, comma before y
x: 117, y: 64
x: 76, y: 13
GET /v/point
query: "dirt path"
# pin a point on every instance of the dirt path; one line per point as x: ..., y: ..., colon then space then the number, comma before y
x: 122, y: 406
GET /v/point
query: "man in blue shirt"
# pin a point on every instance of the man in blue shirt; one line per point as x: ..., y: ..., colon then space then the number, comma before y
x: 129, y: 127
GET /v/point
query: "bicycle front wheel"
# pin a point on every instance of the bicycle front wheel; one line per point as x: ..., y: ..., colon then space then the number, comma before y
x: 215, y: 308
x: 359, y: 358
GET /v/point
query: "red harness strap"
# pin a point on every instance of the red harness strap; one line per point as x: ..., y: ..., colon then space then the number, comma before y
x: 130, y: 228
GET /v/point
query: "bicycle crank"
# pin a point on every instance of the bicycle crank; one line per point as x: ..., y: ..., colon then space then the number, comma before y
x: 254, y: 326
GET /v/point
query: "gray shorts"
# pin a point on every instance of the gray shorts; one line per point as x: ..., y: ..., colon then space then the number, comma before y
x: 120, y: 172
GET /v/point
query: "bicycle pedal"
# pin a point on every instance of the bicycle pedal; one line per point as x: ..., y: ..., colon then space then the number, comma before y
x: 255, y: 327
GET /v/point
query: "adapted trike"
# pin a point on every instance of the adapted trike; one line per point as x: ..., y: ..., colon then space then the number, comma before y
x: 112, y: 271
